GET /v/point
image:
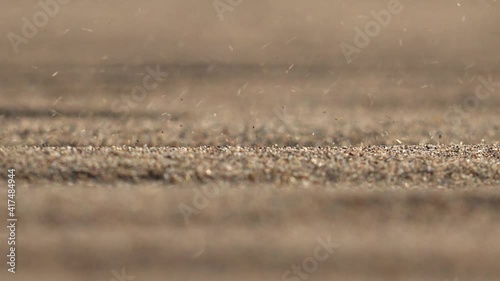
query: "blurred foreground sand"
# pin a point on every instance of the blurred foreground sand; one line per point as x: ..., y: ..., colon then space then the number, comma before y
x: 407, y: 188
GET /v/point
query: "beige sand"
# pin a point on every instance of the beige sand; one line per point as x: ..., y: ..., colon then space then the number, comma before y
x: 259, y: 141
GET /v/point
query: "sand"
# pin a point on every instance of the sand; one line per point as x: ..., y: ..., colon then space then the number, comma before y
x: 156, y: 141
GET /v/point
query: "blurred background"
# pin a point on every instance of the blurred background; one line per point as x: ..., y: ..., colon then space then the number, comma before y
x: 448, y: 33
x: 250, y: 68
x: 252, y: 73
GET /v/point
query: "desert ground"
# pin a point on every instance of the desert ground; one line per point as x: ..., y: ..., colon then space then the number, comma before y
x: 163, y: 140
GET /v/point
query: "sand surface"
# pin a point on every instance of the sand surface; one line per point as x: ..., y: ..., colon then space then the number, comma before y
x: 255, y: 142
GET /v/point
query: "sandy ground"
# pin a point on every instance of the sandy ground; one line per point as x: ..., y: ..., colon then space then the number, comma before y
x: 256, y: 231
x: 451, y: 166
x: 257, y: 151
x: 245, y: 191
